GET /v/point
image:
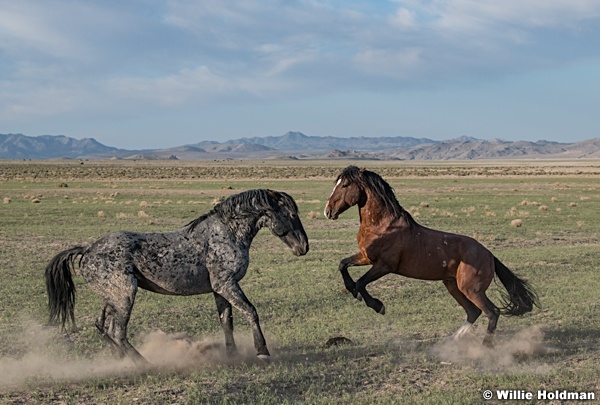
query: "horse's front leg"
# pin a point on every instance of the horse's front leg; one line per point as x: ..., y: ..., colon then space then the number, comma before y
x: 230, y: 290
x: 374, y: 273
x: 354, y: 260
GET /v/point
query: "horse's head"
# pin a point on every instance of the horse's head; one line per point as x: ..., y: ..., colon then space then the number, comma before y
x: 348, y: 191
x: 283, y: 221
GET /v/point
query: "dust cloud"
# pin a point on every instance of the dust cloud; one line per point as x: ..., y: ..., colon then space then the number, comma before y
x: 46, y: 357
x: 506, y: 353
x: 179, y: 351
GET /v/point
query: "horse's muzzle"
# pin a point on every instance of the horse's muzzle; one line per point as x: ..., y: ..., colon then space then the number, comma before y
x: 300, y: 250
x: 329, y: 214
x: 297, y: 243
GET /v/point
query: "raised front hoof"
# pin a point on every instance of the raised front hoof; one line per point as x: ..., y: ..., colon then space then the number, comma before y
x: 265, y: 358
x: 378, y: 307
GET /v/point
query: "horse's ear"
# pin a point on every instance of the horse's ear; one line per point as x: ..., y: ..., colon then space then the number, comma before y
x: 275, y: 197
x: 362, y: 170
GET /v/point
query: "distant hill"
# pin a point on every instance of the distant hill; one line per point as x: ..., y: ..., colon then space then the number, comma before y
x: 19, y: 146
x: 471, y: 148
x: 300, y: 142
x: 296, y: 145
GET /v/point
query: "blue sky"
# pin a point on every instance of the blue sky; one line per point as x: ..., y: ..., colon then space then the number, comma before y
x: 162, y: 73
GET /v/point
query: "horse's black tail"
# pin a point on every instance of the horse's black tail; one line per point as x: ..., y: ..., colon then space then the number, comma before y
x: 60, y: 286
x: 521, y: 297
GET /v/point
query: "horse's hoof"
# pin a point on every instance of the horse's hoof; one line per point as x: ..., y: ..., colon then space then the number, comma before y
x: 382, y: 310
x: 358, y: 296
x: 488, y: 342
x: 463, y: 330
x: 264, y: 357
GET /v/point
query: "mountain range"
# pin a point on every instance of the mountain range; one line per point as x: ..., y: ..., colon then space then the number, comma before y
x: 296, y: 145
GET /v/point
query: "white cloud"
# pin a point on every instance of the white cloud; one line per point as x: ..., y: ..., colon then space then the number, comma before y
x: 67, y: 55
x: 25, y: 27
x: 173, y: 89
x: 403, y: 18
x: 399, y: 64
x: 39, y: 102
x: 472, y: 16
x: 196, y: 85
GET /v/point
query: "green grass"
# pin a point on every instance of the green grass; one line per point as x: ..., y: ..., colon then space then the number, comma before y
x: 396, y: 358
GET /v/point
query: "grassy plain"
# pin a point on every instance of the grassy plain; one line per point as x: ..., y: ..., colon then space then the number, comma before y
x: 400, y: 357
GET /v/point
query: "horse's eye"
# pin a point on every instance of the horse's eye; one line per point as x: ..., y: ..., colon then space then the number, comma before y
x: 345, y: 185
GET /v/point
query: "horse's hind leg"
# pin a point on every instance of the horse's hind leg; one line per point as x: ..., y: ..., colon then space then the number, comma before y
x: 105, y: 325
x: 472, y: 281
x: 226, y: 319
x: 113, y: 320
x: 489, y: 309
x: 471, y: 309
x: 122, y: 312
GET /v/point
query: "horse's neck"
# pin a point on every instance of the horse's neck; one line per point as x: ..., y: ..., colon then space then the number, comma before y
x: 245, y: 229
x: 242, y: 230
x: 374, y: 214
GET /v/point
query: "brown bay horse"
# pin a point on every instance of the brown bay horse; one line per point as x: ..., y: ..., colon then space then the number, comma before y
x: 391, y: 241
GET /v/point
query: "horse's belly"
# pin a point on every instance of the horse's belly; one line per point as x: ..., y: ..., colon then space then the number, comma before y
x: 428, y: 266
x: 176, y: 281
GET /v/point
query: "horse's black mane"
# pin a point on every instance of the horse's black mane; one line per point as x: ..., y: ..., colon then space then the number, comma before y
x: 247, y: 203
x: 379, y: 187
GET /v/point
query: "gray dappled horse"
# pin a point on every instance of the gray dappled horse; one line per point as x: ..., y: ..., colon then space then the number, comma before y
x: 209, y: 254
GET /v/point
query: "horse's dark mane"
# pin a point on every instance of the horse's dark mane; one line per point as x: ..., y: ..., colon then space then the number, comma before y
x: 379, y: 187
x: 247, y: 203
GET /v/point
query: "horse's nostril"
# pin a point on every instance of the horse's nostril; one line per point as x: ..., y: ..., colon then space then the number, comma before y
x: 329, y: 214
